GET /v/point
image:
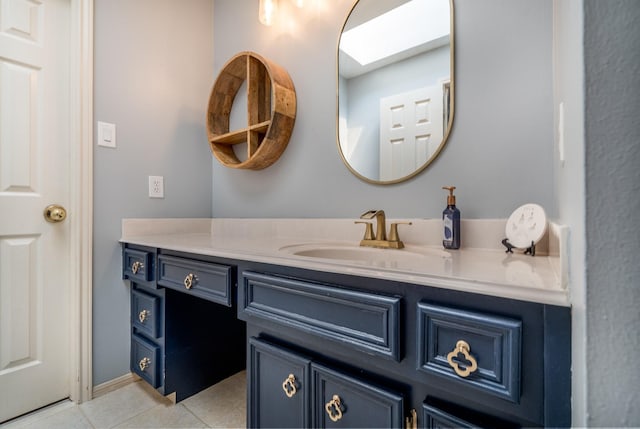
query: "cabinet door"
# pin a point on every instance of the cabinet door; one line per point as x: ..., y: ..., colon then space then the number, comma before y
x: 341, y: 401
x: 278, y: 387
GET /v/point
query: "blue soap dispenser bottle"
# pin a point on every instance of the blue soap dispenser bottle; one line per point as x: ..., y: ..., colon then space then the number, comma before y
x: 451, y: 221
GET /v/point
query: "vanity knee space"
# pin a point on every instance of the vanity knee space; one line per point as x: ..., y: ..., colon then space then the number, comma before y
x: 185, y: 335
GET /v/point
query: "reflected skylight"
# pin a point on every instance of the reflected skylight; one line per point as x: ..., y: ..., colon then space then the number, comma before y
x: 398, y: 30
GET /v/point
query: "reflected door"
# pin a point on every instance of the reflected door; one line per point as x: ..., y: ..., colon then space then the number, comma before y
x: 34, y: 173
x: 411, y: 130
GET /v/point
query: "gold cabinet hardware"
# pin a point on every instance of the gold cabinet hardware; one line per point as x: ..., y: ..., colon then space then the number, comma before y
x: 190, y: 280
x: 289, y: 386
x: 334, y: 408
x: 462, y: 347
x: 144, y: 363
x: 55, y: 213
x: 411, y: 422
x: 142, y: 316
x: 136, y: 266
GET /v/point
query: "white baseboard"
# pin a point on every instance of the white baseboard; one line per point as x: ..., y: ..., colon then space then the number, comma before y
x: 116, y: 383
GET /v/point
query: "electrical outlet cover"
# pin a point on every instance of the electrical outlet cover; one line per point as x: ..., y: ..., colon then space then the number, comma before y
x: 156, y: 187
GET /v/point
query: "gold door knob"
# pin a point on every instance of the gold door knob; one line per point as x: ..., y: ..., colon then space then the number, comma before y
x: 462, y: 347
x: 142, y: 316
x: 55, y: 213
x: 289, y: 386
x: 334, y: 408
x: 190, y: 280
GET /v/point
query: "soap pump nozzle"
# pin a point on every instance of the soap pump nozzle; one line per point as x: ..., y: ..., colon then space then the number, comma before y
x: 451, y: 199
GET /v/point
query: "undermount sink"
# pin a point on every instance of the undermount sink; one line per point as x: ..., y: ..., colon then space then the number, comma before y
x: 349, y: 253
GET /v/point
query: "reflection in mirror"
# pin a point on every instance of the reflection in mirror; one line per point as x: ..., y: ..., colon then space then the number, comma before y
x: 395, y: 87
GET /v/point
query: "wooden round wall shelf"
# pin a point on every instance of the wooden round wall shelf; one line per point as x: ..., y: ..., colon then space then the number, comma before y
x: 271, y: 111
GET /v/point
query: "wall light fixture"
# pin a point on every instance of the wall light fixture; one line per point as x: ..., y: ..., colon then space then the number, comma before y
x: 267, y: 11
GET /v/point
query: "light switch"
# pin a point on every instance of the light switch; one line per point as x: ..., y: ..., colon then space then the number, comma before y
x: 106, y: 134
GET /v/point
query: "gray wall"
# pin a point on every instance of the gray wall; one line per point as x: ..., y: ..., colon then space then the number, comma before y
x: 499, y: 154
x: 153, y: 74
x: 612, y: 152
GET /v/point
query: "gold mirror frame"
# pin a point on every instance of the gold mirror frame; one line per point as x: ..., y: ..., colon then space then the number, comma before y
x: 449, y: 125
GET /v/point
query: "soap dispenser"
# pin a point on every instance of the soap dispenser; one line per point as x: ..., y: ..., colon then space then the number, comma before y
x: 451, y: 221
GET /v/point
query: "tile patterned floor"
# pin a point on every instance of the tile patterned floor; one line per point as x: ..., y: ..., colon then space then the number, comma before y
x: 137, y: 405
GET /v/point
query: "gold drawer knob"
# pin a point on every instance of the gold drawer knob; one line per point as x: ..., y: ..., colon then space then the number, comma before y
x: 334, y: 408
x: 462, y: 347
x: 137, y: 266
x: 190, y: 280
x: 144, y: 363
x: 289, y: 386
x: 142, y: 316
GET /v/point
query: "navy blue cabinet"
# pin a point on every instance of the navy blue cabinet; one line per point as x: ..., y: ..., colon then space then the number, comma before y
x: 292, y: 390
x: 183, y: 339
x: 335, y: 350
x: 381, y: 352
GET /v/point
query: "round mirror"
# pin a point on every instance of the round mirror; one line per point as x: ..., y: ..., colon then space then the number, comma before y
x: 395, y: 87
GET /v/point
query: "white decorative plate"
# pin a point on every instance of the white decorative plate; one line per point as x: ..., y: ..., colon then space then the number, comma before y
x: 527, y: 224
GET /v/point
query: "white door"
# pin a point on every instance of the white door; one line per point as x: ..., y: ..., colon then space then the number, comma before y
x: 411, y: 129
x: 34, y: 173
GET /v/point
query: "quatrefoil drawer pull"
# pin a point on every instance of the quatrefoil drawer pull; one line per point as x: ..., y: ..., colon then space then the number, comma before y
x: 136, y: 266
x: 190, y: 280
x: 144, y: 363
x: 334, y: 408
x: 289, y: 386
x: 462, y: 347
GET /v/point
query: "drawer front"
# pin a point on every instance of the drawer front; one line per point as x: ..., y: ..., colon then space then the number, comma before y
x: 365, y: 321
x: 440, y: 415
x: 434, y: 418
x: 145, y: 313
x: 137, y: 265
x: 473, y: 349
x: 205, y: 280
x: 278, y: 389
x: 340, y: 400
x: 146, y: 360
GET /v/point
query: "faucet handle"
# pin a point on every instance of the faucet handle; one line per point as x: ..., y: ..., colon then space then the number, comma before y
x: 368, y: 232
x: 393, y: 232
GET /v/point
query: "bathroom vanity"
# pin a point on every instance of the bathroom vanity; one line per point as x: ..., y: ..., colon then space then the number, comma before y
x: 427, y: 338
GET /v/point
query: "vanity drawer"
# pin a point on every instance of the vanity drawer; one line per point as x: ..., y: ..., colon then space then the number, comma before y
x: 475, y: 349
x: 205, y: 280
x: 364, y: 321
x: 137, y: 265
x: 344, y: 401
x: 146, y: 360
x: 441, y: 415
x: 145, y: 313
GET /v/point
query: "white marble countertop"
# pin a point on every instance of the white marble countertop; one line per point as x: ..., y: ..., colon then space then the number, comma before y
x: 480, y: 266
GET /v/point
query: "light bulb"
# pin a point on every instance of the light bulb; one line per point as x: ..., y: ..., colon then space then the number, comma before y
x: 267, y: 11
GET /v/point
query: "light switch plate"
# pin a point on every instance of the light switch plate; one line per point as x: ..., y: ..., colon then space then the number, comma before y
x: 156, y: 187
x: 106, y: 134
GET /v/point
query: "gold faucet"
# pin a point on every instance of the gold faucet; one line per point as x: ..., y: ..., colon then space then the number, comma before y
x: 379, y: 239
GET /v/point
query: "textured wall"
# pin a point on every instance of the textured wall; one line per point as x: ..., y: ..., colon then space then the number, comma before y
x: 612, y: 84
x: 153, y: 68
x: 500, y: 153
